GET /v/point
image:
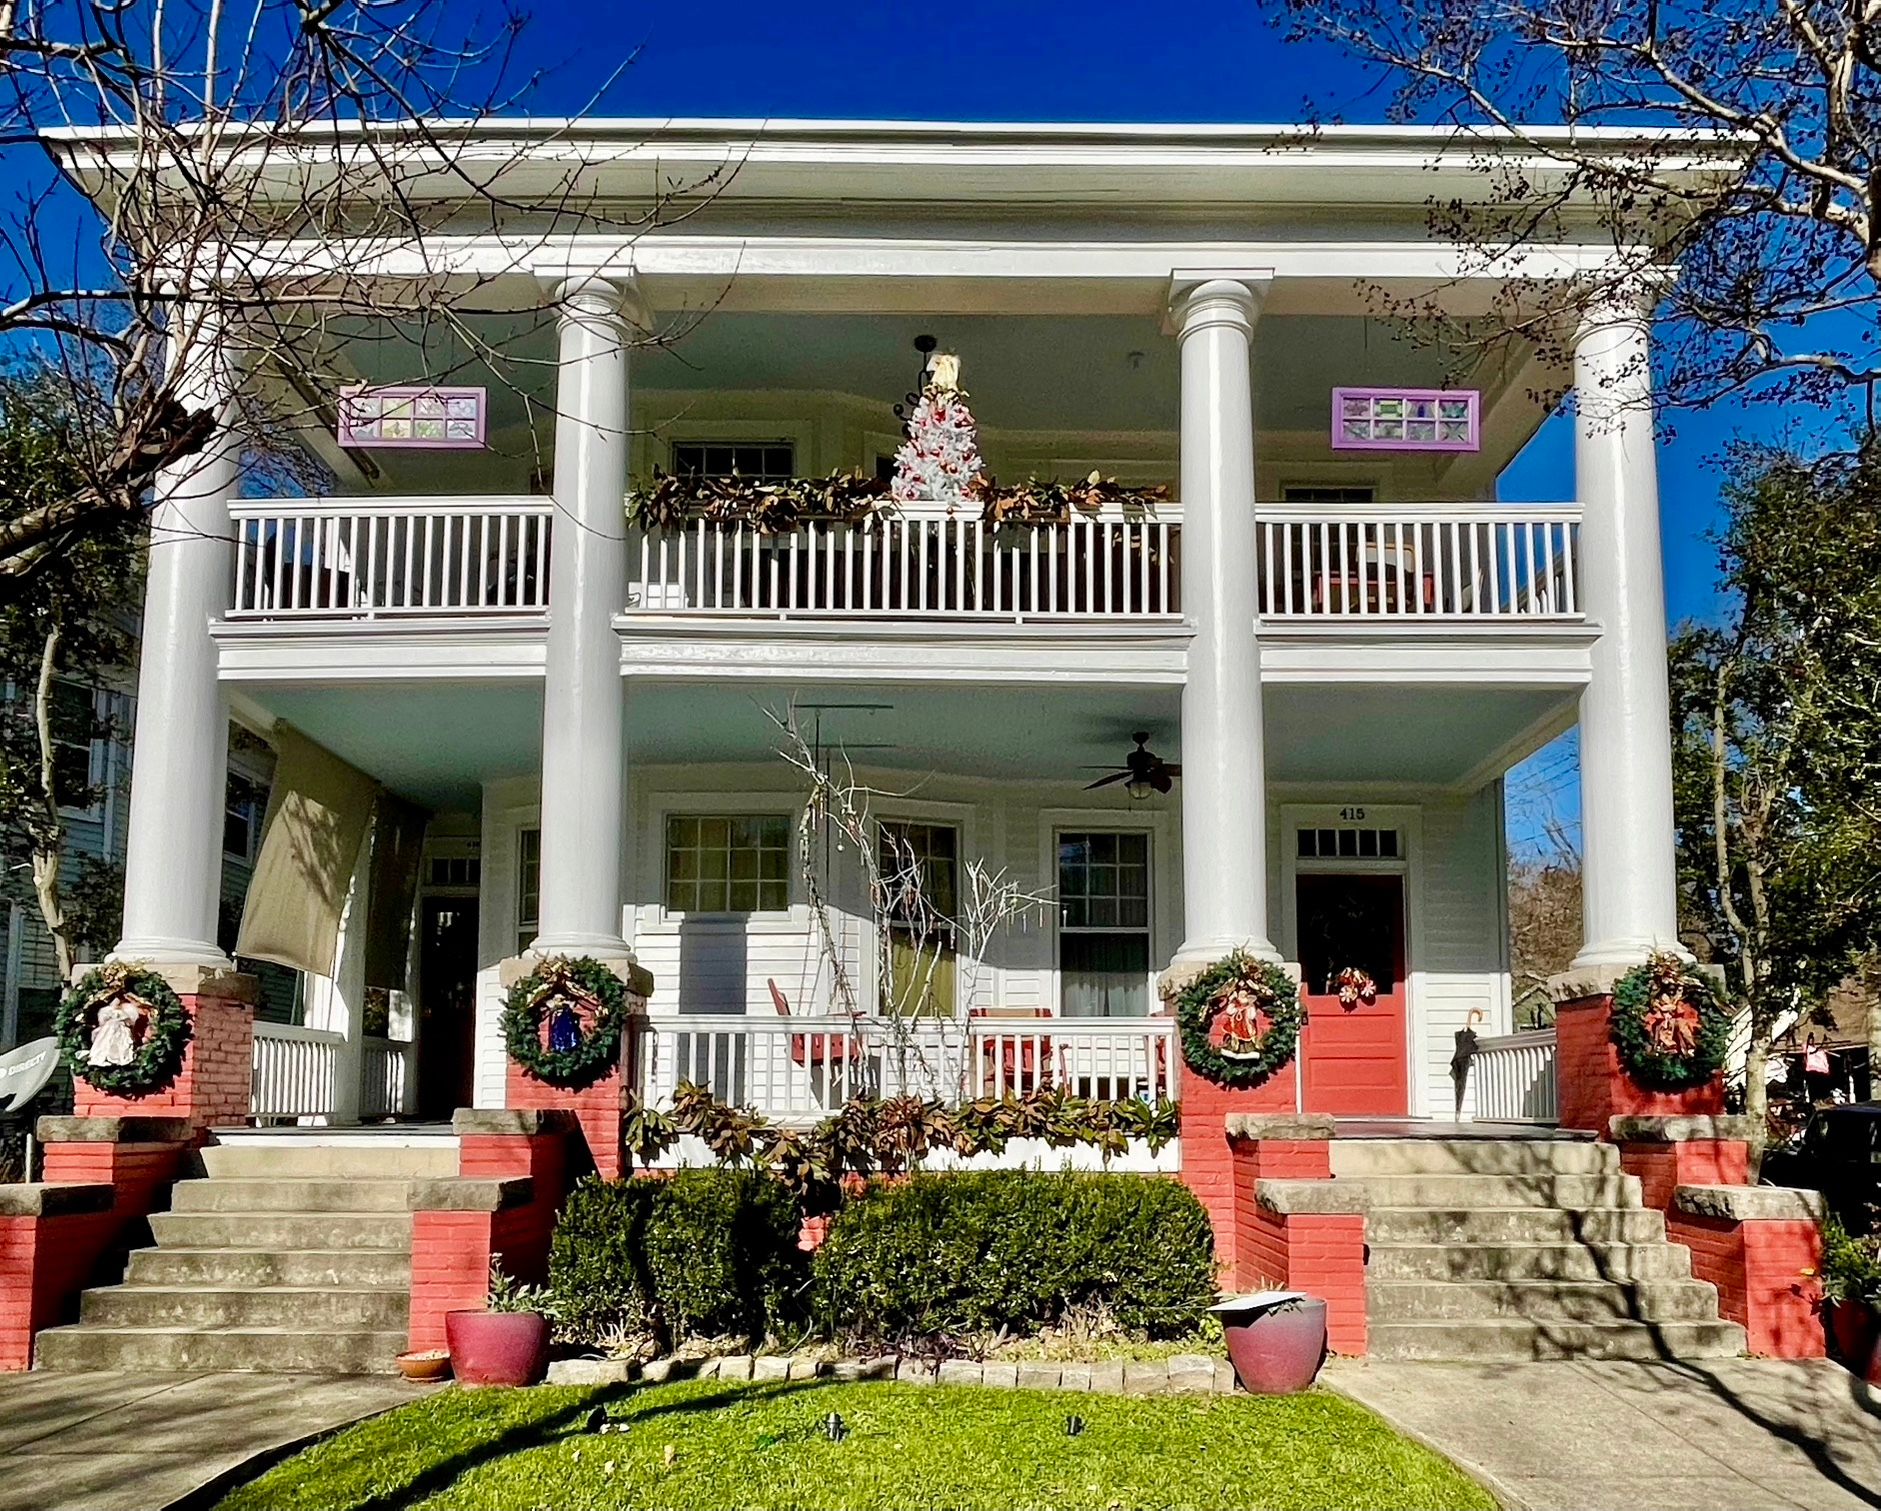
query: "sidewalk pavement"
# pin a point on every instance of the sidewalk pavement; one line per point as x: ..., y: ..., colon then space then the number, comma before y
x: 140, y: 1441
x: 1709, y: 1435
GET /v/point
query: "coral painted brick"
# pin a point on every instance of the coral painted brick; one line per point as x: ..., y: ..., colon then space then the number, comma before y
x: 213, y: 1087
x: 1763, y: 1270
x: 1594, y: 1089
x: 598, y: 1108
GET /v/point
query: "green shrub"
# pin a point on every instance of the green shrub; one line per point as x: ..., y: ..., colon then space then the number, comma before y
x: 1015, y: 1251
x: 708, y: 1253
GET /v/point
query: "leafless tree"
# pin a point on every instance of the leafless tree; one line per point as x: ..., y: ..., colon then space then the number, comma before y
x: 1771, y: 226
x: 210, y: 135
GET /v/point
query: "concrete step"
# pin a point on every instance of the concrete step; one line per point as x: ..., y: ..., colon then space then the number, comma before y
x: 227, y: 1269
x: 1488, y: 1191
x: 325, y: 1308
x: 282, y: 1230
x: 1541, y: 1301
x: 1353, y: 1156
x: 277, y: 1349
x: 257, y: 1156
x: 291, y: 1194
x: 1515, y: 1339
x: 1529, y: 1261
x: 1499, y: 1225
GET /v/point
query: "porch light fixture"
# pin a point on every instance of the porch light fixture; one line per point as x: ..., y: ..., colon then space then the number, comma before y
x: 1139, y: 787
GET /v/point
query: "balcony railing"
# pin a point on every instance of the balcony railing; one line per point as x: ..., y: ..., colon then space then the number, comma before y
x: 415, y: 557
x: 1383, y: 561
x: 1117, y: 565
x: 363, y: 558
x: 295, y: 1072
x: 1514, y: 1077
x: 801, y: 1069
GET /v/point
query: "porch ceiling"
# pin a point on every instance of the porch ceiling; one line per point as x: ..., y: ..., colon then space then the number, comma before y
x: 437, y: 743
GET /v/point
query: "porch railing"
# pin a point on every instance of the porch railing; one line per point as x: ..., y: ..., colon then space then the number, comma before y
x: 1116, y: 565
x: 384, y: 1075
x: 801, y: 1069
x: 295, y: 1071
x: 1514, y: 1077
x: 361, y: 558
x: 1384, y: 561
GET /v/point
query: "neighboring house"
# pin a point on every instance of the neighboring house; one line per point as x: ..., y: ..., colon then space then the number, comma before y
x: 1332, y: 624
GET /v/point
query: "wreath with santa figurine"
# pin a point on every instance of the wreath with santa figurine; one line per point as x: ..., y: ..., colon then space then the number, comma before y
x: 1240, y: 1020
x: 1669, y: 1025
x: 123, y: 1031
x: 563, y: 1022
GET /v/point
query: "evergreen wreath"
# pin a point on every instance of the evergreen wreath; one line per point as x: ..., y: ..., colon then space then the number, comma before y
x: 1240, y: 989
x: 160, y: 1038
x: 560, y: 985
x: 1669, y: 1025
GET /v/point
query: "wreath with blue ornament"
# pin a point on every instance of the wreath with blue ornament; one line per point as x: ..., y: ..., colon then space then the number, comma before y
x: 1240, y: 1020
x: 564, y: 1021
x: 1670, y: 1028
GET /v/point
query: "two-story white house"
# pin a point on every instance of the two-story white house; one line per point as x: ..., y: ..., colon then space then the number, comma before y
x: 1330, y: 624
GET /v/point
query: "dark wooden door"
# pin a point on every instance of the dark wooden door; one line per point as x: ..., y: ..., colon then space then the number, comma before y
x: 447, y: 1005
x: 1355, y: 1059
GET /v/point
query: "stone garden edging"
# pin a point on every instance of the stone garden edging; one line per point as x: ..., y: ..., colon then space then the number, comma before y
x: 1183, y: 1374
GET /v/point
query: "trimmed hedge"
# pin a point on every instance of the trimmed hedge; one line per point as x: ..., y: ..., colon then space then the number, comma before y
x: 707, y: 1253
x: 945, y: 1256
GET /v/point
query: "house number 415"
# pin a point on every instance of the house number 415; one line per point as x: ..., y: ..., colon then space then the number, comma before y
x: 1351, y: 815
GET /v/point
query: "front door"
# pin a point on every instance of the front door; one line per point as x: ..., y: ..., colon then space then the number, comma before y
x: 1354, y: 1057
x: 447, y: 998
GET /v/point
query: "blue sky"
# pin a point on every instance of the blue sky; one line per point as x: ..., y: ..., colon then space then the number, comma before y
x: 1100, y: 60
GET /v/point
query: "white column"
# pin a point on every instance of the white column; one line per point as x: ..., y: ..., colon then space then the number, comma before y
x: 179, y: 773
x: 583, y: 762
x: 1629, y: 879
x: 1224, y: 769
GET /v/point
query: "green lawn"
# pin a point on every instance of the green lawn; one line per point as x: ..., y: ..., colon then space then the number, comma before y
x: 713, y: 1445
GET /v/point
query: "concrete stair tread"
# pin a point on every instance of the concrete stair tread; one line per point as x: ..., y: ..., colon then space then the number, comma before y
x: 1518, y: 1338
x: 1547, y: 1302
x: 1394, y: 1261
x: 293, y: 1195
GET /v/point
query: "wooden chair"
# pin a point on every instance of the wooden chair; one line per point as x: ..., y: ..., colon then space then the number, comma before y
x: 1024, y: 1063
x: 822, y: 1050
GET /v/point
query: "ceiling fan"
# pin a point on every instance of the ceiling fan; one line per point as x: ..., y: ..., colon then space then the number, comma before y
x: 1143, y: 770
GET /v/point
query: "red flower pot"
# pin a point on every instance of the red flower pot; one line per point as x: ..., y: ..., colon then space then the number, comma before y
x: 497, y: 1348
x: 1276, y: 1342
x: 1855, y: 1330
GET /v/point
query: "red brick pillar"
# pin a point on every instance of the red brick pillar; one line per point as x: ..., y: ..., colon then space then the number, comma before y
x: 1760, y: 1246
x: 597, y: 1109
x: 138, y: 1157
x: 1208, y: 1158
x: 1309, y: 1235
x: 1669, y: 1152
x: 50, y: 1239
x: 213, y: 1087
x: 1593, y: 1087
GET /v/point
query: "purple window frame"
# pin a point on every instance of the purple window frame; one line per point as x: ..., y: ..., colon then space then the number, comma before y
x: 462, y: 413
x: 1435, y: 397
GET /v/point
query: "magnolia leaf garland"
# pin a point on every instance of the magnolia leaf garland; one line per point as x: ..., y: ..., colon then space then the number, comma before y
x: 158, y: 1024
x: 1258, y: 1006
x: 1669, y: 1025
x: 558, y: 994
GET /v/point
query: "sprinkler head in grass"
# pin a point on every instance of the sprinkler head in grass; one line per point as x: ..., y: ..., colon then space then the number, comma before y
x: 834, y: 1427
x: 1074, y: 1426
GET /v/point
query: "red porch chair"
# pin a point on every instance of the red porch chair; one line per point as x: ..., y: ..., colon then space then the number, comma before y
x: 821, y: 1051
x: 1024, y: 1063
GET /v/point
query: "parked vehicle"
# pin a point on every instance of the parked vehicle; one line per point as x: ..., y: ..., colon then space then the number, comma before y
x: 1839, y: 1155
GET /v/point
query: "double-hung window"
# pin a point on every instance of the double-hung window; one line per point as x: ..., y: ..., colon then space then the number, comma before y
x: 920, y: 868
x: 1103, y: 923
x: 728, y: 863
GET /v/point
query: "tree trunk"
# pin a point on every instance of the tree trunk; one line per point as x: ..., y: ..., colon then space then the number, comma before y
x: 49, y: 832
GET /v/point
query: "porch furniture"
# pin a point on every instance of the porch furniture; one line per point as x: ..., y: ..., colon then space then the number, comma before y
x: 821, y: 1050
x: 1018, y: 1060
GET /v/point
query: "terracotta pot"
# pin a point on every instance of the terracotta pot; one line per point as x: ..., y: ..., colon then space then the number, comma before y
x: 1855, y: 1330
x: 425, y: 1365
x: 497, y: 1348
x: 1276, y: 1343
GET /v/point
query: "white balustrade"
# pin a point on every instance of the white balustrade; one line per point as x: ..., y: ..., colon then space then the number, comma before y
x: 361, y: 558
x: 294, y: 1071
x: 1514, y: 1078
x: 1385, y: 561
x: 386, y: 1072
x: 1117, y: 564
x: 801, y: 1069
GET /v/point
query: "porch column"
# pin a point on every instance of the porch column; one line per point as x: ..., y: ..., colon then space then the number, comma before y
x: 1224, y: 769
x: 1629, y: 883
x: 583, y: 764
x: 173, y: 842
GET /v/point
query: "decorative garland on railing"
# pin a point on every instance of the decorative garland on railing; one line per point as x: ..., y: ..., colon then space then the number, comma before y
x: 675, y: 500
x: 123, y: 1031
x: 1257, y: 1006
x: 563, y: 1022
x: 1669, y: 1025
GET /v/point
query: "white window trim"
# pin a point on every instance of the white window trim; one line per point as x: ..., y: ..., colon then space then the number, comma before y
x: 971, y: 973
x: 93, y: 811
x: 668, y: 805
x: 726, y: 435
x: 1408, y: 820
x: 1158, y: 823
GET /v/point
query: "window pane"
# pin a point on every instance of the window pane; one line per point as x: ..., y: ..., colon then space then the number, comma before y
x: 774, y: 896
x: 1104, y: 975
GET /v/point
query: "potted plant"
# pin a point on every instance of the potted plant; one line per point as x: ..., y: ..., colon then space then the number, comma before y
x: 1851, y: 1288
x: 507, y: 1342
x: 1276, y: 1340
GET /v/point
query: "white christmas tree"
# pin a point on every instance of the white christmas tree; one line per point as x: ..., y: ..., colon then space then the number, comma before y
x: 939, y: 462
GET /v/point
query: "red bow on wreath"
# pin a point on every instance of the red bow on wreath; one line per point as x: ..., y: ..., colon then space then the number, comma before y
x: 1672, y: 1023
